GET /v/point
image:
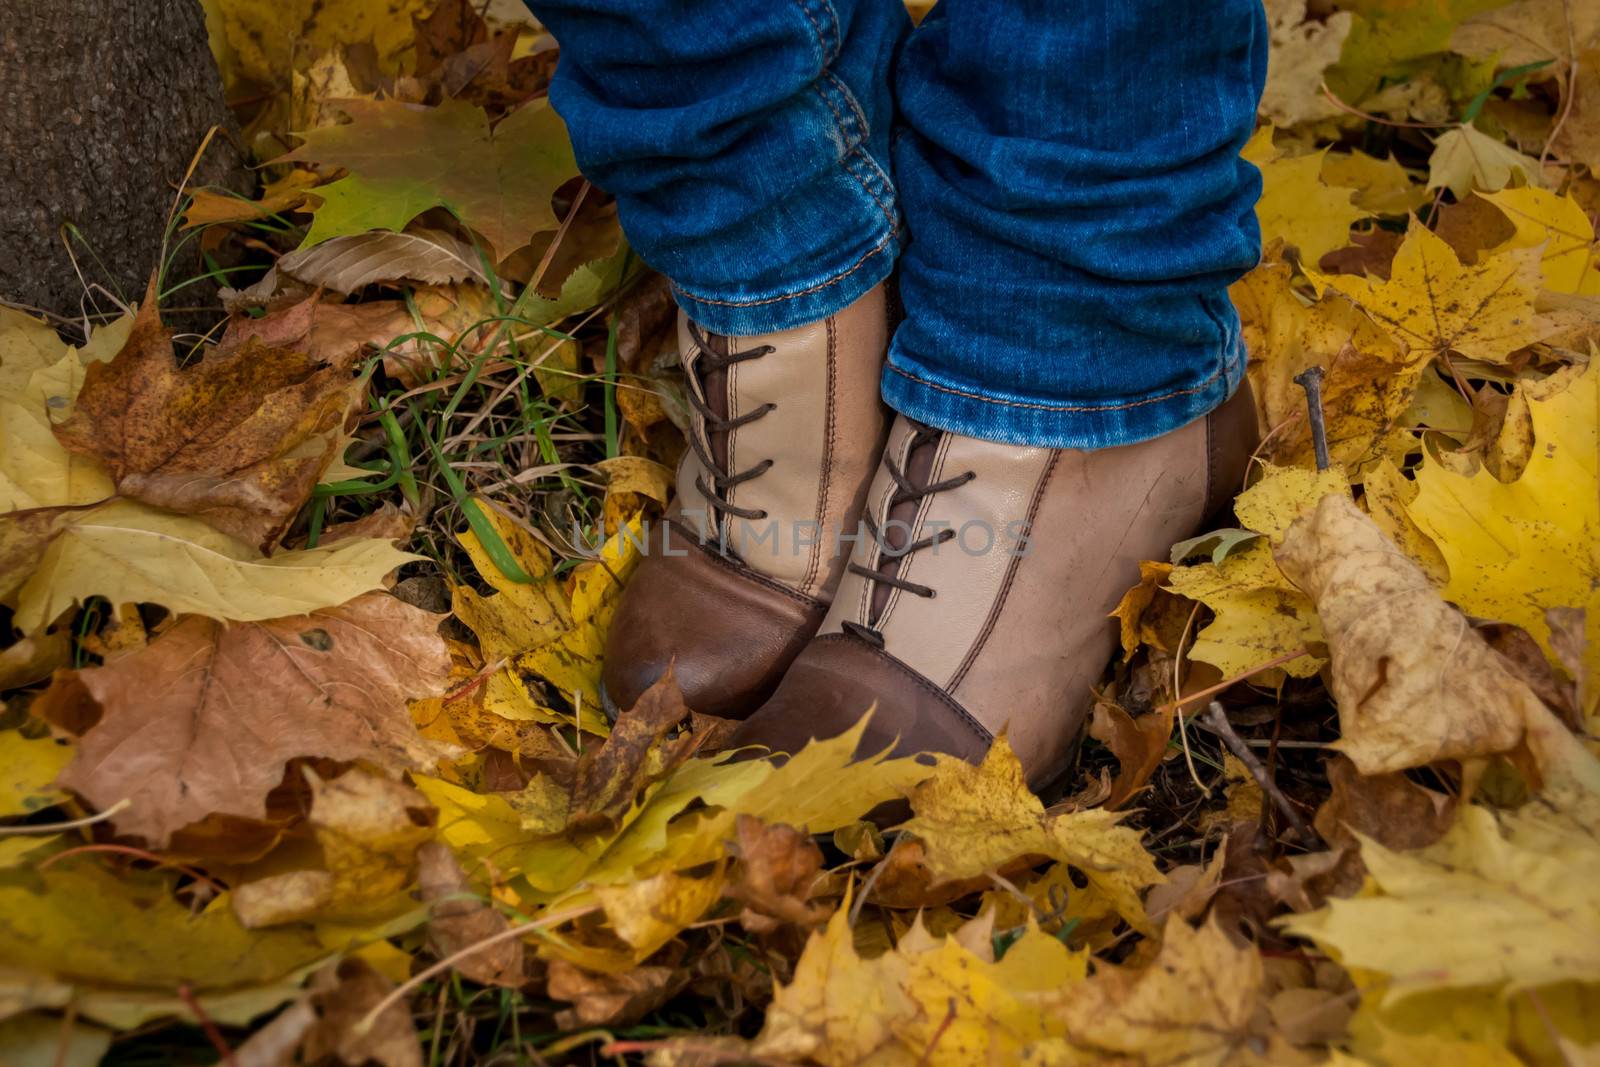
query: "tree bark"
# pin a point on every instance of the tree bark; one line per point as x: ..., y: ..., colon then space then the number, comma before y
x: 103, y: 104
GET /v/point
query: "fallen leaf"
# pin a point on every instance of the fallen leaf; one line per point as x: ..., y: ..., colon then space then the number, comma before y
x: 1414, y: 682
x: 1382, y: 185
x: 1192, y: 1005
x: 776, y: 870
x: 239, y: 442
x: 1465, y: 159
x: 929, y: 999
x: 1498, y: 539
x: 1435, y: 304
x: 1299, y: 52
x: 32, y: 764
x: 125, y: 929
x: 499, y: 182
x: 636, y: 753
x: 204, y: 719
x: 38, y: 1040
x: 1525, y: 883
x: 1296, y: 205
x: 610, y: 999
x: 343, y: 995
x: 368, y: 830
x: 130, y: 553
x: 1529, y: 31
x: 458, y: 919
x: 972, y: 820
x: 419, y: 255
x: 1368, y: 384
x: 1260, y: 614
x: 1561, y: 229
x: 260, y: 41
x: 1139, y: 745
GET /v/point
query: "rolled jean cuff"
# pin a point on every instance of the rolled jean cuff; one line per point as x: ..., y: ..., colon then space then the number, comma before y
x: 739, y: 313
x: 1046, y: 423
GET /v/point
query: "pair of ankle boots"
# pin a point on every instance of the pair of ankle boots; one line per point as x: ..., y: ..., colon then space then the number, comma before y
x: 824, y: 556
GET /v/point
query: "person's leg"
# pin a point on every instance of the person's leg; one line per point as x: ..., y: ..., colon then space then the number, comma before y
x: 746, y: 143
x: 1077, y: 209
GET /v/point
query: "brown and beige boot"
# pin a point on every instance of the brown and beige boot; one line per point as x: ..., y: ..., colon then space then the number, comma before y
x: 786, y: 434
x: 982, y: 602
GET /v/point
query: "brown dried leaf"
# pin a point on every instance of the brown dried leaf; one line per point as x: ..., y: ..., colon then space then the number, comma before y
x: 1138, y: 745
x: 610, y: 999
x: 419, y: 255
x: 340, y: 334
x: 776, y: 871
x: 458, y: 919
x: 636, y: 753
x: 205, y: 717
x: 368, y: 830
x: 237, y: 441
x: 344, y: 993
x: 1414, y: 682
x: 1390, y: 809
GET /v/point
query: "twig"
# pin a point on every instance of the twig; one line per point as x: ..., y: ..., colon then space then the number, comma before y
x: 1228, y: 683
x: 1572, y: 88
x: 1380, y: 120
x: 53, y: 827
x: 213, y: 1035
x: 138, y: 853
x: 364, y: 1024
x: 1310, y: 380
x: 1177, y: 691
x: 1217, y: 719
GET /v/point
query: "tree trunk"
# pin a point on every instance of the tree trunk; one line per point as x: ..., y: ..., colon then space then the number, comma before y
x: 103, y: 104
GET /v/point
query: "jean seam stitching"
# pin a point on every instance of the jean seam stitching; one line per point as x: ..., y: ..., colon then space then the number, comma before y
x: 1218, y: 373
x: 826, y: 50
x: 866, y: 186
x: 859, y: 151
x: 883, y: 243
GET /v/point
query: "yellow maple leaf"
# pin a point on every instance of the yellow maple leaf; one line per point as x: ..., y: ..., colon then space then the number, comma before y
x: 972, y: 820
x: 1516, y: 550
x: 929, y: 1000
x: 1193, y: 1004
x: 94, y: 926
x: 1261, y: 615
x: 1561, y: 228
x: 1525, y: 883
x: 1296, y: 205
x: 1465, y: 159
x: 1369, y: 381
x: 1382, y: 185
x: 547, y: 628
x: 1435, y: 304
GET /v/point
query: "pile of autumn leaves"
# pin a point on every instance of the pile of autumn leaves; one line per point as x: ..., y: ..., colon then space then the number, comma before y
x: 304, y: 797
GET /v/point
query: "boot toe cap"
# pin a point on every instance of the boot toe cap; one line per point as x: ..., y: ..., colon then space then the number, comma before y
x: 729, y: 632
x: 834, y: 682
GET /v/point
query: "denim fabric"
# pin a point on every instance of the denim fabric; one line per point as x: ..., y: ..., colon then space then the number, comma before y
x: 746, y: 142
x: 1068, y: 171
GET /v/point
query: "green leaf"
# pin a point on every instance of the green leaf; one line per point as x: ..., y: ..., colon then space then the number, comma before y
x: 499, y: 181
x: 355, y: 205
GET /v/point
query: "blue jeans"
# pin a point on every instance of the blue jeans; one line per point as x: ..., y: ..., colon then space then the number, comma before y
x: 1059, y: 180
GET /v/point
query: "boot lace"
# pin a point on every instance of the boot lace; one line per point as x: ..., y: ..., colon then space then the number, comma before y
x: 906, y: 491
x: 722, y: 479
